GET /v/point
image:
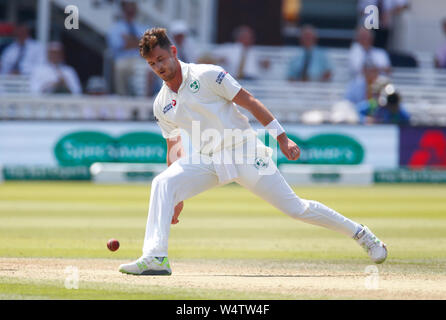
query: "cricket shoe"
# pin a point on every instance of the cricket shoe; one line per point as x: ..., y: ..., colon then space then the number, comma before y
x: 375, y: 248
x: 147, y: 266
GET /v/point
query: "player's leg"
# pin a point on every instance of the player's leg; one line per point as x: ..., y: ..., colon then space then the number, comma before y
x: 274, y: 189
x: 180, y: 181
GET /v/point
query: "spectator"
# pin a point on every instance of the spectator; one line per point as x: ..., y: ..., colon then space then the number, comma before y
x: 183, y: 41
x: 21, y: 56
x: 363, y: 87
x: 367, y: 108
x: 239, y: 58
x: 55, y: 76
x: 312, y: 64
x: 362, y: 52
x: 123, y: 39
x: 389, y: 109
x: 97, y: 86
x: 440, y: 57
x: 389, y: 10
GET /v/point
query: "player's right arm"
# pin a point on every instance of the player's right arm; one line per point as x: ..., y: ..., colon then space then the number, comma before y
x: 175, y: 148
x: 170, y: 132
x: 175, y: 151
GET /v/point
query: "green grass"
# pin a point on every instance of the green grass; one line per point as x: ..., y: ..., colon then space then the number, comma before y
x: 75, y: 220
x: 28, y: 290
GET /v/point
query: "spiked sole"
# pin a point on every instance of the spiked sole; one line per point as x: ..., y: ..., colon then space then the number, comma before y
x: 156, y: 273
x: 148, y: 273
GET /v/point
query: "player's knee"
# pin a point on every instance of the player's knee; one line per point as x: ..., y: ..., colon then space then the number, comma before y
x: 158, y: 181
x: 299, y: 208
x: 163, y: 182
x: 308, y: 208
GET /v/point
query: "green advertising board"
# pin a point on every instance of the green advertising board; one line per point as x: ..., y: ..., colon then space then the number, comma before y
x: 46, y: 173
x: 407, y: 175
x: 327, y: 148
x: 82, y: 148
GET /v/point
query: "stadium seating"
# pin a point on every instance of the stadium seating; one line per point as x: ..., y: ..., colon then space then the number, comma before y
x: 422, y: 89
x: 15, y: 84
x: 69, y: 107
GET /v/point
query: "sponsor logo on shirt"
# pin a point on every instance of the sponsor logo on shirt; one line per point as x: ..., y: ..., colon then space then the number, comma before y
x: 194, y: 86
x: 220, y: 76
x: 167, y: 108
x: 170, y: 106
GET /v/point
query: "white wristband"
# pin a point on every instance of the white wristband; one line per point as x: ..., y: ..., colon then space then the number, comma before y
x: 274, y: 128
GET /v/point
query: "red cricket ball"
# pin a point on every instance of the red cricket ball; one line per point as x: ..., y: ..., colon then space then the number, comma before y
x: 113, y: 244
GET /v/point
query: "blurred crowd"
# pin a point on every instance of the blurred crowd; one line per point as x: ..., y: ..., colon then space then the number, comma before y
x: 46, y: 68
x: 369, y: 94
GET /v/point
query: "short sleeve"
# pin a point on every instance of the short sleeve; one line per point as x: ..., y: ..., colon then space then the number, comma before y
x: 169, y: 129
x: 222, y: 83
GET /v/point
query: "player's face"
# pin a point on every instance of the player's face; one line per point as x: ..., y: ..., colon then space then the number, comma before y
x: 163, y: 62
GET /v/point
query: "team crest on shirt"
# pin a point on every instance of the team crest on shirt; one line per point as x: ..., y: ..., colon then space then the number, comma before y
x: 194, y: 86
x: 260, y: 163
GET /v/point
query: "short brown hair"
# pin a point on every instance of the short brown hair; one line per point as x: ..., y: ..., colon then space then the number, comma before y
x: 152, y: 38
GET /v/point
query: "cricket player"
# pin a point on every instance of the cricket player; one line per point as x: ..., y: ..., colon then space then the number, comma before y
x: 203, y: 100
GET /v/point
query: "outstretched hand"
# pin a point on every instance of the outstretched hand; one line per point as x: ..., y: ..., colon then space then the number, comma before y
x: 288, y: 147
x: 177, y: 212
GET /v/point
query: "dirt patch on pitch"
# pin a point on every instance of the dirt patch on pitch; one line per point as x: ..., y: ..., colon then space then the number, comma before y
x: 293, y: 280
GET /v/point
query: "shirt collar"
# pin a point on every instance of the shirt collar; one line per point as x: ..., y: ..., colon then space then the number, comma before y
x: 184, y: 73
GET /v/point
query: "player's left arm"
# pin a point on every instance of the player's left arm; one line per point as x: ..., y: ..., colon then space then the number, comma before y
x: 246, y: 100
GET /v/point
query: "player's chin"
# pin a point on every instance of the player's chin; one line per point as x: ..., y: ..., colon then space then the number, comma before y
x: 165, y: 76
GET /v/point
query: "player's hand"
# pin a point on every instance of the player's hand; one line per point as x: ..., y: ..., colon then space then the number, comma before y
x: 176, y: 212
x: 288, y: 147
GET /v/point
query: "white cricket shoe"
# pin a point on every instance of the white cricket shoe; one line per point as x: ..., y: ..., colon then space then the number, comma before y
x: 147, y: 266
x: 376, y: 249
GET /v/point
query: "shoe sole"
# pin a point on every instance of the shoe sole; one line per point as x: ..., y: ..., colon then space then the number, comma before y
x: 149, y: 273
x: 156, y: 273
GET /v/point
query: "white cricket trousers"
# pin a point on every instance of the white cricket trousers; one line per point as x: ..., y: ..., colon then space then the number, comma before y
x: 183, y: 180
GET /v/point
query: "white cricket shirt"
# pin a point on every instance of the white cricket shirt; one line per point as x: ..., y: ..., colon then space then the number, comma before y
x: 204, y: 98
x: 205, y: 95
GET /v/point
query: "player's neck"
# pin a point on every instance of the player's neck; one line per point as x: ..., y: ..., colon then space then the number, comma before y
x: 176, y: 81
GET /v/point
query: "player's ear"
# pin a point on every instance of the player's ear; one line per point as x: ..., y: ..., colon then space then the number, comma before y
x: 173, y: 50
